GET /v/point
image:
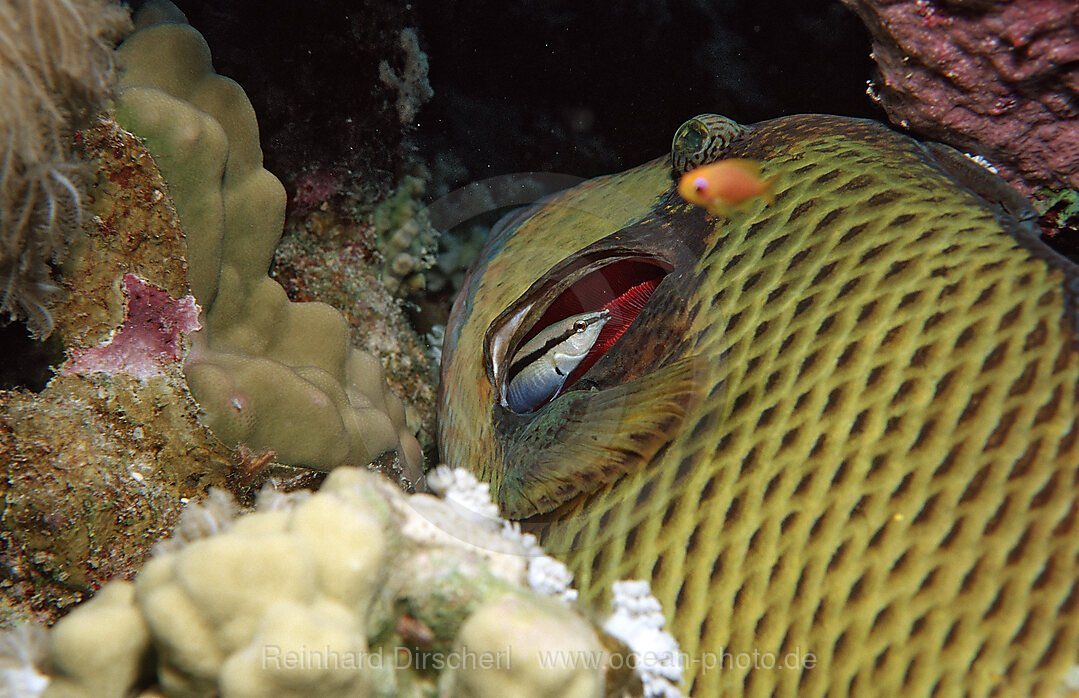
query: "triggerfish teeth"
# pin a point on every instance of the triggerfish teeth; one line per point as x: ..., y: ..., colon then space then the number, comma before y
x: 725, y: 185
x: 540, y: 367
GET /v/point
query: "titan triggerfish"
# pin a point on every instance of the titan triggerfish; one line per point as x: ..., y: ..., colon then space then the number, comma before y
x: 836, y: 431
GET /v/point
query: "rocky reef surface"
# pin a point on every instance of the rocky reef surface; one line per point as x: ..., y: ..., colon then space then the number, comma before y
x: 99, y: 464
x: 997, y: 79
x: 266, y: 372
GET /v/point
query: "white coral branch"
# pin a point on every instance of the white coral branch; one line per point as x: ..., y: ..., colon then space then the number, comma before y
x: 638, y: 621
x: 472, y: 498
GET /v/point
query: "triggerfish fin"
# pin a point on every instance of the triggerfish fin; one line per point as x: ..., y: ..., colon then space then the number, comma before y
x: 725, y: 185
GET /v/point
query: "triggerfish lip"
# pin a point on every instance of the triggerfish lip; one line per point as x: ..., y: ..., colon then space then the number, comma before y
x: 619, y: 282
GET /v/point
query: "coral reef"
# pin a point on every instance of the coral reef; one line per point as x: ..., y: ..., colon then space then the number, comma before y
x: 455, y: 252
x: 95, y: 470
x: 1000, y: 79
x: 331, y: 251
x: 314, y: 189
x: 266, y: 372
x: 133, y: 229
x: 55, y: 65
x: 354, y: 590
x: 335, y: 261
x: 1059, y: 220
x: 638, y: 620
x: 90, y: 456
x: 116, y: 444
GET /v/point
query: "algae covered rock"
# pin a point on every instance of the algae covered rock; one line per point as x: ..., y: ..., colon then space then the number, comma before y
x: 96, y: 467
x: 315, y: 594
x: 267, y: 373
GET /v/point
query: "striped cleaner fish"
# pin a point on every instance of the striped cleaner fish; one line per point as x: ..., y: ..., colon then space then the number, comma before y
x: 837, y: 431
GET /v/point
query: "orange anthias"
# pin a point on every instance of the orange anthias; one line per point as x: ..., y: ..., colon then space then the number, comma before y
x: 725, y: 185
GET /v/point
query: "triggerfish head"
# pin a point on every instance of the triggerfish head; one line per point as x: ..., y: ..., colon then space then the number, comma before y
x: 837, y: 433
x: 725, y: 185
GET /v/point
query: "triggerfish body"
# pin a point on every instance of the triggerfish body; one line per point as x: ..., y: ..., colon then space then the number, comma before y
x: 838, y: 434
x: 725, y: 185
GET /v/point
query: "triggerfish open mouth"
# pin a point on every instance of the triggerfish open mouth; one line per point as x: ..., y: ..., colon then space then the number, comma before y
x: 592, y: 349
x: 548, y: 356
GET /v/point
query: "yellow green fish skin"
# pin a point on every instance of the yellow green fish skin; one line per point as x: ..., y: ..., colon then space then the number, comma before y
x: 877, y: 465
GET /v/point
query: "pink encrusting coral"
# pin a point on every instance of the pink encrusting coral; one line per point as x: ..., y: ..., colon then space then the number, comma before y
x: 998, y: 79
x: 150, y: 338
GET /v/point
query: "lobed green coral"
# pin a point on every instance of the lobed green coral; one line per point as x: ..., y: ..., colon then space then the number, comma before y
x: 267, y: 373
x: 344, y: 275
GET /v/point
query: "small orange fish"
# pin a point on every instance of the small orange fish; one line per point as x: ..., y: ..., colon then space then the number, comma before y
x: 725, y: 185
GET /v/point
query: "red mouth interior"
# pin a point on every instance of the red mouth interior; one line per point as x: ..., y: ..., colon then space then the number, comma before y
x: 622, y: 287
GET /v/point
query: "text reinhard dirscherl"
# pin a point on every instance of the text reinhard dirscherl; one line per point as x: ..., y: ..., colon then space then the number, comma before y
x: 305, y: 658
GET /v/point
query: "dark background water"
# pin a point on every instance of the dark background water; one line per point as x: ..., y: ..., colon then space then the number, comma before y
x: 578, y: 87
